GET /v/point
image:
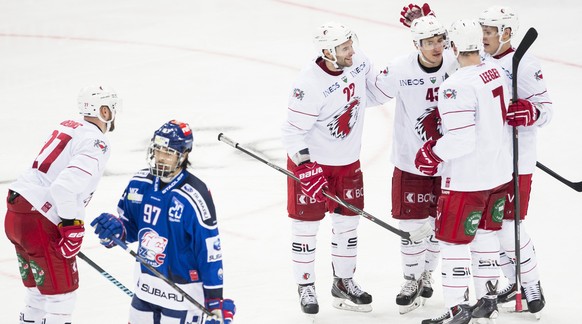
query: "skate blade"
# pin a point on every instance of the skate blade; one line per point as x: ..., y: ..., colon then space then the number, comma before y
x: 310, y: 318
x: 490, y: 320
x: 403, y: 309
x: 483, y: 321
x: 510, y: 308
x: 345, y: 304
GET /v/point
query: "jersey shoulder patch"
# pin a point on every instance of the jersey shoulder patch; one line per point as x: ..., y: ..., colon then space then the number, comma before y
x: 202, y: 202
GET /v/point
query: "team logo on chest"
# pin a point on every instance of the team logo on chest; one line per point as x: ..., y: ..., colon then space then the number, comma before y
x: 428, y: 125
x: 152, y: 247
x: 343, y: 123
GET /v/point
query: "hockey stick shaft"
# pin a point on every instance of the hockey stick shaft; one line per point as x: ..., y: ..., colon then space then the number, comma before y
x: 164, y: 278
x: 574, y: 185
x: 105, y: 274
x: 526, y: 42
x: 403, y: 234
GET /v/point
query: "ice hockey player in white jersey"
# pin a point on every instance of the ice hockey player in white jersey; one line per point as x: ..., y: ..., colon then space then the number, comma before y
x: 414, y: 81
x: 532, y: 111
x: 171, y: 214
x: 474, y: 160
x: 323, y: 137
x: 46, y: 207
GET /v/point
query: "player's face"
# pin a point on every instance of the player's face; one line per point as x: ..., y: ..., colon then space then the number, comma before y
x: 166, y: 159
x: 490, y: 39
x: 432, y: 49
x: 344, y: 53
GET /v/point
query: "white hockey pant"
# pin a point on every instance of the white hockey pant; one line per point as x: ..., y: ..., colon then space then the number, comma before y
x: 484, y: 260
x: 344, y: 244
x: 529, y: 261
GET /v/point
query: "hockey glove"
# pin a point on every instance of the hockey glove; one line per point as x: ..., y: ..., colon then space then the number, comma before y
x: 106, y: 226
x: 521, y: 113
x: 312, y: 180
x: 224, y: 309
x: 413, y: 11
x: 71, y: 237
x: 426, y: 160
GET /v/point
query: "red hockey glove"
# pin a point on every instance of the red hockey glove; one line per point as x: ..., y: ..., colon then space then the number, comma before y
x: 426, y: 160
x: 71, y: 238
x: 521, y: 113
x: 312, y: 180
x: 413, y: 11
x: 223, y: 309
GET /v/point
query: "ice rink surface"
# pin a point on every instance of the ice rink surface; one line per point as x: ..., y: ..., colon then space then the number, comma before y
x: 227, y: 66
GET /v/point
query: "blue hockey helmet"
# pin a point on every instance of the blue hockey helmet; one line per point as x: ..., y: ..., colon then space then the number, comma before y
x: 174, y: 138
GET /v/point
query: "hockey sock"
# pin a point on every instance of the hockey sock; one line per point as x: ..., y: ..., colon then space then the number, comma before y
x: 484, y: 260
x: 432, y: 249
x: 455, y: 265
x: 412, y: 253
x: 344, y: 244
x: 529, y: 261
x: 304, y: 239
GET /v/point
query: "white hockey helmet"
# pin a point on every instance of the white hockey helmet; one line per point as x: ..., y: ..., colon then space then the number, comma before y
x: 501, y: 17
x: 330, y: 35
x: 91, y: 98
x: 426, y: 27
x: 466, y: 35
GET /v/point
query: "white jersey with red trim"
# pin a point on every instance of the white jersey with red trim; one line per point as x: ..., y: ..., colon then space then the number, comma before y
x: 476, y: 145
x: 416, y: 119
x: 326, y: 112
x: 66, y: 172
x: 530, y: 86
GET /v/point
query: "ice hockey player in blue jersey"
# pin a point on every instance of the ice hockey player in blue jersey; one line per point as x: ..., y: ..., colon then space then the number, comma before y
x: 171, y: 214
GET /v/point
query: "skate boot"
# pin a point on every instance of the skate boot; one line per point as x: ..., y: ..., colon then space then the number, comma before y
x: 409, y: 297
x: 308, y: 299
x: 460, y: 314
x: 507, y: 294
x: 426, y: 291
x: 485, y: 311
x: 534, y: 296
x: 349, y: 296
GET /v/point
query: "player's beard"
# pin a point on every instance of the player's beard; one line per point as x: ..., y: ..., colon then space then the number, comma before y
x: 344, y: 64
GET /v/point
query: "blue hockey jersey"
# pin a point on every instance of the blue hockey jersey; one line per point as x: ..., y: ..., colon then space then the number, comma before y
x: 176, y: 229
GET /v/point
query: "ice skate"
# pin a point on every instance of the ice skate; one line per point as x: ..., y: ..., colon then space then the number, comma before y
x: 426, y: 291
x: 486, y: 311
x: 308, y: 299
x: 534, y: 296
x: 409, y: 297
x: 349, y: 296
x: 459, y: 314
x: 507, y: 294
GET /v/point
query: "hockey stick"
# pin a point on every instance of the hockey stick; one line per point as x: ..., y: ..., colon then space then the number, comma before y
x: 526, y: 42
x: 105, y: 274
x: 164, y: 278
x: 574, y: 185
x: 401, y: 233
